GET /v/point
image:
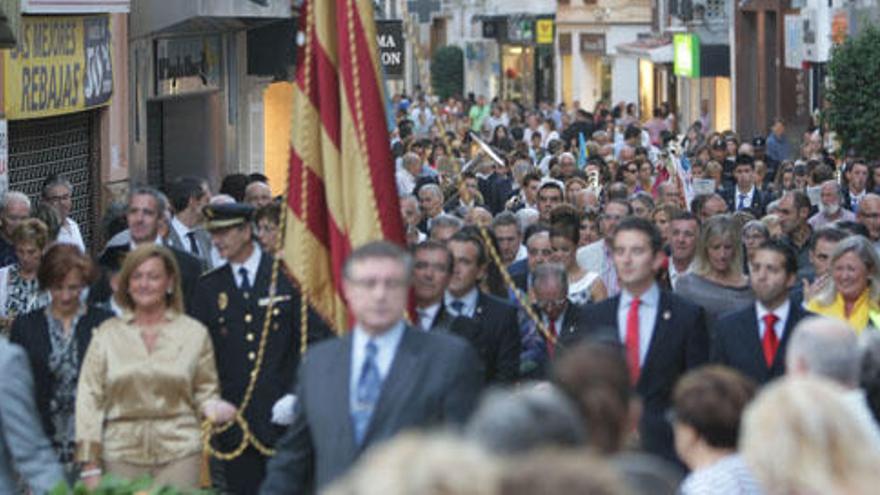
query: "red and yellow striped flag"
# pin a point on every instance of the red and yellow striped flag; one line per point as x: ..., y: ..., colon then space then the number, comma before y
x: 342, y: 190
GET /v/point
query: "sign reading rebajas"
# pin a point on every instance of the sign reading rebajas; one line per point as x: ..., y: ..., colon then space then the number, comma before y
x: 60, y: 65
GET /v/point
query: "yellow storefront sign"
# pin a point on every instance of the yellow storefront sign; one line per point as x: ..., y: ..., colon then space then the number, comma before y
x: 61, y: 64
x: 544, y: 31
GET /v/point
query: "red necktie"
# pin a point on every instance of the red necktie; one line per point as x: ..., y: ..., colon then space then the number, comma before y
x: 632, y: 340
x: 770, y: 342
x: 551, y: 329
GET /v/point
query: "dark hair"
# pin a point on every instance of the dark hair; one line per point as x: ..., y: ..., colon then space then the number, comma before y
x: 472, y: 234
x: 565, y: 221
x: 533, y: 229
x: 595, y: 376
x: 234, y: 185
x: 258, y: 177
x: 432, y: 245
x: 852, y: 228
x: 711, y: 400
x: 378, y: 250
x: 532, y: 176
x: 181, y: 189
x: 47, y: 214
x: 271, y: 212
x: 743, y: 159
x: 644, y: 226
x: 791, y: 264
x: 506, y: 218
x: 831, y: 233
x: 619, y: 201
x: 60, y: 260
x: 801, y: 200
x: 680, y: 214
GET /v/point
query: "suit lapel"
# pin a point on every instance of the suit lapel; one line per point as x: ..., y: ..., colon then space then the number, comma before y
x: 751, y: 340
x: 396, y: 385
x: 338, y: 374
x: 659, y: 345
x: 263, y: 276
x: 794, y: 316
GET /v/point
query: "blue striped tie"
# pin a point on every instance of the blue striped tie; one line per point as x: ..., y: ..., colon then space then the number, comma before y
x: 368, y: 387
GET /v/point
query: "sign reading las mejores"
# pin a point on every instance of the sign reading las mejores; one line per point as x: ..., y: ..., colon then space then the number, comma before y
x: 60, y: 65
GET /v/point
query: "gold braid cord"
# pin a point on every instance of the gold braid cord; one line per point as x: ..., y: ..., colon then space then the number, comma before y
x: 247, y: 437
x: 487, y: 240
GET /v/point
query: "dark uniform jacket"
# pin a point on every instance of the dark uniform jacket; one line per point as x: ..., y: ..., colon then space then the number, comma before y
x: 235, y: 322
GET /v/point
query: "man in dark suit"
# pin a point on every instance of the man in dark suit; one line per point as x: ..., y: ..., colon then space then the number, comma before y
x: 559, y: 317
x: 497, y: 319
x: 382, y: 378
x: 189, y: 196
x: 745, y: 196
x: 233, y: 301
x: 146, y: 210
x: 538, y: 249
x: 753, y: 340
x: 432, y: 269
x: 664, y: 335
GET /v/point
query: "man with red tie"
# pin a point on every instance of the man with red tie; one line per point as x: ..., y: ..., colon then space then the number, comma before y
x: 753, y: 340
x: 664, y: 336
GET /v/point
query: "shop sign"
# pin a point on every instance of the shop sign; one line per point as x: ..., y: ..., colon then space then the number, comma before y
x: 593, y: 43
x: 74, y: 6
x: 544, y: 31
x: 60, y: 65
x: 187, y: 65
x: 794, y: 42
x: 520, y: 29
x: 389, y: 37
x: 686, y: 55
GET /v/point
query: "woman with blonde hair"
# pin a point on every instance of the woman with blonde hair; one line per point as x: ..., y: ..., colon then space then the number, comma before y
x: 799, y: 436
x: 854, y: 291
x: 147, y: 381
x: 716, y: 282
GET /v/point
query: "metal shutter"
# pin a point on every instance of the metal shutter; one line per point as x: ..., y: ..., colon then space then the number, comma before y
x: 65, y: 145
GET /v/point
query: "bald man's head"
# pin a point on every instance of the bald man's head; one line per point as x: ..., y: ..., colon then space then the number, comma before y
x: 825, y: 347
x: 258, y: 194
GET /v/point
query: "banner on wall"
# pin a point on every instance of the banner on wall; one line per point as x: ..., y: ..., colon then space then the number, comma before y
x: 62, y: 64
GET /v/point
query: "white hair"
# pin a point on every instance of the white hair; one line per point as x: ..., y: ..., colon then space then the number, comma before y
x: 11, y: 196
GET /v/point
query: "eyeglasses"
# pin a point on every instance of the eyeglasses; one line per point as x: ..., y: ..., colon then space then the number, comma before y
x: 372, y: 283
x: 58, y: 199
x: 551, y: 304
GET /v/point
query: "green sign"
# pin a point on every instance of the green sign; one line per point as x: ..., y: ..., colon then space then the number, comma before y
x: 686, y: 57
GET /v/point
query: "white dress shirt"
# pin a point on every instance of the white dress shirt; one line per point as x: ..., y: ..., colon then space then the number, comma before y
x: 469, y: 300
x: 70, y: 234
x: 648, y: 306
x: 781, y: 318
x: 674, y: 274
x: 746, y: 197
x: 251, y: 265
x: 386, y: 348
x: 427, y: 315
x: 183, y: 234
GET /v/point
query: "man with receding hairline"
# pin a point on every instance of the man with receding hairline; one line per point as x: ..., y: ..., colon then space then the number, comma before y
x: 869, y: 216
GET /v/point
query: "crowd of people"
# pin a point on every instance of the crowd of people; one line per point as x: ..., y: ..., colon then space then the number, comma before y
x: 587, y: 302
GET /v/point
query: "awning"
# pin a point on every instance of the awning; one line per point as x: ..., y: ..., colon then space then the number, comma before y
x: 656, y: 49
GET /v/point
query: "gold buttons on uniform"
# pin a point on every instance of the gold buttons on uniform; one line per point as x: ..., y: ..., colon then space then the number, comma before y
x: 252, y: 356
x: 249, y: 337
x: 276, y: 311
x: 248, y: 318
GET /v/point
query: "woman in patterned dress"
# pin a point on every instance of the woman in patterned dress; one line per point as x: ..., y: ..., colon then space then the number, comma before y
x: 19, y: 289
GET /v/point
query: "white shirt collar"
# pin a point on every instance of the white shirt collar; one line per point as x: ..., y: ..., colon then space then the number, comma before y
x: 781, y: 317
x: 181, y: 229
x: 747, y: 194
x: 469, y: 300
x: 251, y: 265
x: 157, y: 241
x: 651, y: 297
x: 427, y: 315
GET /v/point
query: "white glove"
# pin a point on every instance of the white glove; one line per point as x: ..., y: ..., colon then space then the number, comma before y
x: 282, y: 411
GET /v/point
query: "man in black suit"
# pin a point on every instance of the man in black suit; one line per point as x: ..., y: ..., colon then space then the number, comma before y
x: 497, y: 319
x: 146, y: 210
x: 382, y: 378
x: 745, y: 196
x: 432, y: 269
x: 753, y: 340
x: 559, y: 316
x: 232, y: 301
x: 664, y: 335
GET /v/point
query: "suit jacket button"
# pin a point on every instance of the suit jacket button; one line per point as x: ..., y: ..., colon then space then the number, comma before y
x: 252, y: 356
x: 248, y: 318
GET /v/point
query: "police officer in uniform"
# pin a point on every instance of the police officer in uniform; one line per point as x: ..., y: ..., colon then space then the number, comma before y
x: 232, y: 301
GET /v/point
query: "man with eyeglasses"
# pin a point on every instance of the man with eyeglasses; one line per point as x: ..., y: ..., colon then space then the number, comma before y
x: 382, y: 378
x: 596, y: 257
x: 58, y: 193
x: 558, y: 315
x: 15, y: 207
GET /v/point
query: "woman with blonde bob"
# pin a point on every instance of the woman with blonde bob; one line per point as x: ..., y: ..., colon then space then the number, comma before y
x: 854, y: 290
x: 716, y: 283
x: 147, y: 381
x: 799, y: 436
